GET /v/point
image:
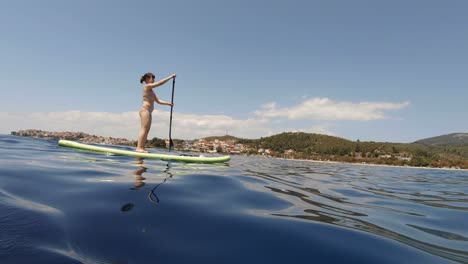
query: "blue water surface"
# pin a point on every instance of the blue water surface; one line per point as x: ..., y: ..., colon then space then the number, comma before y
x: 62, y: 205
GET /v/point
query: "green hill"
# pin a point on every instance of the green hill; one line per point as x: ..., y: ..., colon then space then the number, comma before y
x: 454, y: 139
x: 316, y: 146
x: 302, y: 142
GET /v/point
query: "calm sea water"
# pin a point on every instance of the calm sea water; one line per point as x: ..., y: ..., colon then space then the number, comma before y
x: 60, y: 205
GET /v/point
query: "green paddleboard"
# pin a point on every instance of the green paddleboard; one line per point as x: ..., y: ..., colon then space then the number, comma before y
x: 195, y: 159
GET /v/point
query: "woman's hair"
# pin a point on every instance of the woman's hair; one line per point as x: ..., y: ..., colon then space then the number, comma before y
x: 148, y: 74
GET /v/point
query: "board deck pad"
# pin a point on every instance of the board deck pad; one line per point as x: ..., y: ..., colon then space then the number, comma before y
x: 183, y: 158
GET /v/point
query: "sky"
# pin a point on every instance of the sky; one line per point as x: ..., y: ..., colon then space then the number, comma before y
x: 393, y: 71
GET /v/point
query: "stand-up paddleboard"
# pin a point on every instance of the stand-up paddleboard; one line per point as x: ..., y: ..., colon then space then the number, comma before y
x: 73, y: 144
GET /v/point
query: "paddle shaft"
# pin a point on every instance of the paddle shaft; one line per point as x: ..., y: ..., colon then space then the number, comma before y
x: 171, y: 143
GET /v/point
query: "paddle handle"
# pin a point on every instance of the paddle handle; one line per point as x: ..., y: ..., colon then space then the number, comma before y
x: 170, y: 120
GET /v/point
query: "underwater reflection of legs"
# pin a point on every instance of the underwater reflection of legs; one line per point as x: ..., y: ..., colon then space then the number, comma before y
x: 139, y: 179
x: 139, y: 182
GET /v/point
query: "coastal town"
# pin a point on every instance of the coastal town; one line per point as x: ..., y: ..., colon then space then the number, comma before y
x: 79, y: 136
x: 214, y: 146
x: 204, y: 145
x: 230, y: 146
x: 198, y: 145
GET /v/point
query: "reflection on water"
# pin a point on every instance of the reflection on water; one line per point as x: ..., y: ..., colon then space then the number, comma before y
x: 17, y: 201
x: 93, y: 208
x: 443, y: 234
x: 139, y: 180
x: 75, y: 253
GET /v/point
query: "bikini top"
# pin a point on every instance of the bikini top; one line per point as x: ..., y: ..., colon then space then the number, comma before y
x: 149, y: 95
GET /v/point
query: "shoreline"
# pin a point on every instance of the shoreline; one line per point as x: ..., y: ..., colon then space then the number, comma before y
x: 372, y: 165
x: 87, y: 138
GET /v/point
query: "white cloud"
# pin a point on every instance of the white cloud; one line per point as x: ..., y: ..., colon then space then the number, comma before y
x: 326, y: 109
x: 127, y: 124
x: 124, y: 124
x: 270, y: 120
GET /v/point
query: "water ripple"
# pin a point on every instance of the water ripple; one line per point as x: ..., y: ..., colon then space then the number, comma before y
x: 362, y: 198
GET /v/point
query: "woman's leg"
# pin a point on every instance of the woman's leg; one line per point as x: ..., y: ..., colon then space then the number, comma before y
x: 144, y: 130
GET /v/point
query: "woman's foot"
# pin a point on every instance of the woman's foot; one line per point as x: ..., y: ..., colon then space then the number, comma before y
x: 141, y: 150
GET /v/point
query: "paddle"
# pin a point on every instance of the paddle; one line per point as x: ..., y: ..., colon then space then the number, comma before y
x: 171, y: 143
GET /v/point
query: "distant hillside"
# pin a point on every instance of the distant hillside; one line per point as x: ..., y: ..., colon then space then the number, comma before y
x: 454, y: 139
x: 316, y: 146
x: 304, y: 142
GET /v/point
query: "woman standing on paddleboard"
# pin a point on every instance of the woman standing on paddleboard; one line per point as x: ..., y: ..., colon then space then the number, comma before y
x: 149, y: 97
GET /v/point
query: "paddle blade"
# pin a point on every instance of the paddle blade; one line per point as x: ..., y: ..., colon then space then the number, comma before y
x: 171, y: 145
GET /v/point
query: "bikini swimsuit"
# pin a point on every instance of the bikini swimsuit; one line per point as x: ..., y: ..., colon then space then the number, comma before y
x: 147, y: 107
